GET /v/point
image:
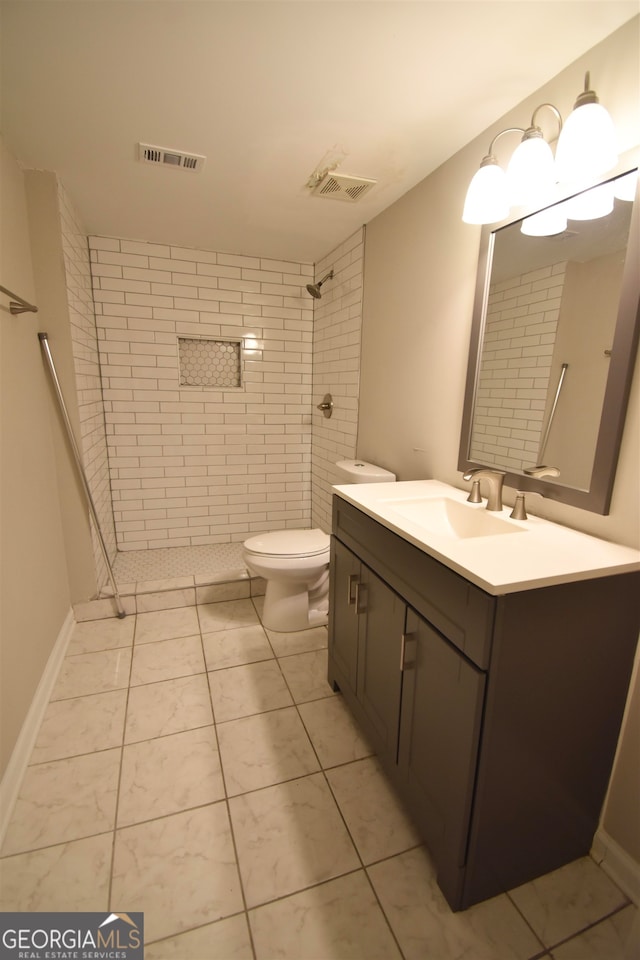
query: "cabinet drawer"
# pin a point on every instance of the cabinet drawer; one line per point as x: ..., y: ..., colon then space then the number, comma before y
x: 462, y: 612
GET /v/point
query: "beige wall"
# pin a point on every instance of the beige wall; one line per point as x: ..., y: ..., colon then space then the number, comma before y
x: 51, y: 296
x: 88, y: 381
x: 34, y: 590
x: 420, y: 269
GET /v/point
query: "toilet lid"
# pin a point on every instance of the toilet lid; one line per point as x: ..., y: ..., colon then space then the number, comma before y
x: 289, y: 543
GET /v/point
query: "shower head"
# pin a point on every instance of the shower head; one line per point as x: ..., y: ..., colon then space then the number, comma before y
x: 314, y: 288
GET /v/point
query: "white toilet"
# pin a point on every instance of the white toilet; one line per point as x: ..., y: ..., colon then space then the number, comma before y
x: 295, y: 563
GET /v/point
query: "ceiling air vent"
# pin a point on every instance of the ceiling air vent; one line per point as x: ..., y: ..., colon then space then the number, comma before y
x: 339, y: 186
x: 162, y: 156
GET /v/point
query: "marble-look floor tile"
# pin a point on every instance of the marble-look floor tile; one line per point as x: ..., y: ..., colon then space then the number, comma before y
x: 617, y: 938
x: 64, y: 800
x: 105, y: 609
x: 231, y: 648
x: 216, y: 592
x: 306, y: 675
x: 227, y: 614
x: 377, y: 822
x: 71, y: 876
x: 180, y: 870
x: 337, y: 920
x: 567, y: 900
x: 87, y: 673
x: 158, y: 709
x: 165, y: 600
x: 93, y: 635
x: 334, y: 733
x: 81, y: 725
x: 169, y: 774
x: 264, y: 749
x: 289, y: 836
x: 166, y: 660
x: 258, y: 589
x: 252, y: 688
x: 227, y: 939
x: 425, y: 926
x: 161, y: 586
x: 166, y: 624
x: 300, y: 641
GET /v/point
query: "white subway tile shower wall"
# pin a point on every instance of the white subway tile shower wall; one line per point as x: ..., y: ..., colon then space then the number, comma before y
x: 520, y: 333
x: 336, y: 369
x: 194, y: 466
x: 92, y: 439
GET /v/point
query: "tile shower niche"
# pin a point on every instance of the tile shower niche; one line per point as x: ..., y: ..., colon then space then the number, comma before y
x: 214, y: 364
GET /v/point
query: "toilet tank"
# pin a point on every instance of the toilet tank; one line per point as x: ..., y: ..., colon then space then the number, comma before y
x: 359, y: 471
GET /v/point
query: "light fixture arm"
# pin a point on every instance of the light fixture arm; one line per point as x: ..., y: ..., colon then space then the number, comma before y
x: 534, y: 126
x: 490, y: 152
x: 587, y: 95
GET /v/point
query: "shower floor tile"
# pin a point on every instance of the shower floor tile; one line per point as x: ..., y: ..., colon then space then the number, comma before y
x: 207, y: 562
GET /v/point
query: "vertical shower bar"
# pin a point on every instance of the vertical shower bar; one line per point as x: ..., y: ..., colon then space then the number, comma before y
x: 44, y: 343
x: 563, y: 370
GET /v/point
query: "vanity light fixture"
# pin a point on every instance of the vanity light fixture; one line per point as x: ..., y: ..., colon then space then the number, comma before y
x: 531, y: 172
x: 624, y: 188
x: 591, y: 204
x: 587, y: 144
x: 585, y: 150
x: 546, y: 223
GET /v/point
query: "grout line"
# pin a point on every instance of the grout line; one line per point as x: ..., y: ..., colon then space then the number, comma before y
x: 122, y: 748
x: 226, y: 801
x: 589, y: 926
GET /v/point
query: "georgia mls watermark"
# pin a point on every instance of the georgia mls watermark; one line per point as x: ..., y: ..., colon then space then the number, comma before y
x: 71, y: 936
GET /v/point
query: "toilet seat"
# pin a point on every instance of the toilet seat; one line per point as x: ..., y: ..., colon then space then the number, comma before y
x: 289, y: 543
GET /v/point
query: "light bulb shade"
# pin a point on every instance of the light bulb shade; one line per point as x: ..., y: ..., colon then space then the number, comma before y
x: 530, y: 174
x: 592, y: 204
x: 546, y: 223
x: 587, y: 145
x: 624, y: 188
x: 486, y: 200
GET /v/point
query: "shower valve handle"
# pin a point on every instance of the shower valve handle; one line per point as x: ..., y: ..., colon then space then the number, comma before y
x: 327, y: 405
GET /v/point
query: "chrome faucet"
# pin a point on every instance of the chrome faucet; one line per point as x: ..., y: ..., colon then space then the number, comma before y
x: 495, y: 479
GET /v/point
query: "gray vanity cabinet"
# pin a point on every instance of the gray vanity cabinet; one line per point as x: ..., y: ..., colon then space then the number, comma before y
x: 345, y: 573
x: 418, y: 699
x: 496, y: 717
x: 369, y: 620
x: 442, y: 699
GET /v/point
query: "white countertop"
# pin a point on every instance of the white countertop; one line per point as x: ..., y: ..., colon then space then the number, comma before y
x: 542, y: 554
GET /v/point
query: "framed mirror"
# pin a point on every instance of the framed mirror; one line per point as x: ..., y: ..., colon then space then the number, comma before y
x: 553, y: 346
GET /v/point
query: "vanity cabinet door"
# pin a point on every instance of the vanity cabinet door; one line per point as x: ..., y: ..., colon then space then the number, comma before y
x: 442, y: 700
x: 381, y: 613
x: 366, y: 623
x: 343, y: 620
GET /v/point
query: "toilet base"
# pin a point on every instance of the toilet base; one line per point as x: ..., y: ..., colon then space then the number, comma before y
x: 287, y: 609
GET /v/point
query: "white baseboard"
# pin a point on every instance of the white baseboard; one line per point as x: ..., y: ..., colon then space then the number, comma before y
x: 13, y: 775
x: 617, y: 863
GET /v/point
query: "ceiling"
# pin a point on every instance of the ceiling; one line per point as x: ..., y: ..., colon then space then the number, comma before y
x: 270, y: 92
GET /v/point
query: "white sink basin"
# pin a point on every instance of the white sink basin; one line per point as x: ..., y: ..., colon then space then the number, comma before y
x: 449, y: 518
x: 437, y: 518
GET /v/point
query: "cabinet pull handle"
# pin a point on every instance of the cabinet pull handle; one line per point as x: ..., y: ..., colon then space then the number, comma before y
x: 359, y: 609
x: 352, y: 581
x: 404, y: 640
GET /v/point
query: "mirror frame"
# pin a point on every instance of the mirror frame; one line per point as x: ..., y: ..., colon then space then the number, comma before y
x: 597, y: 498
